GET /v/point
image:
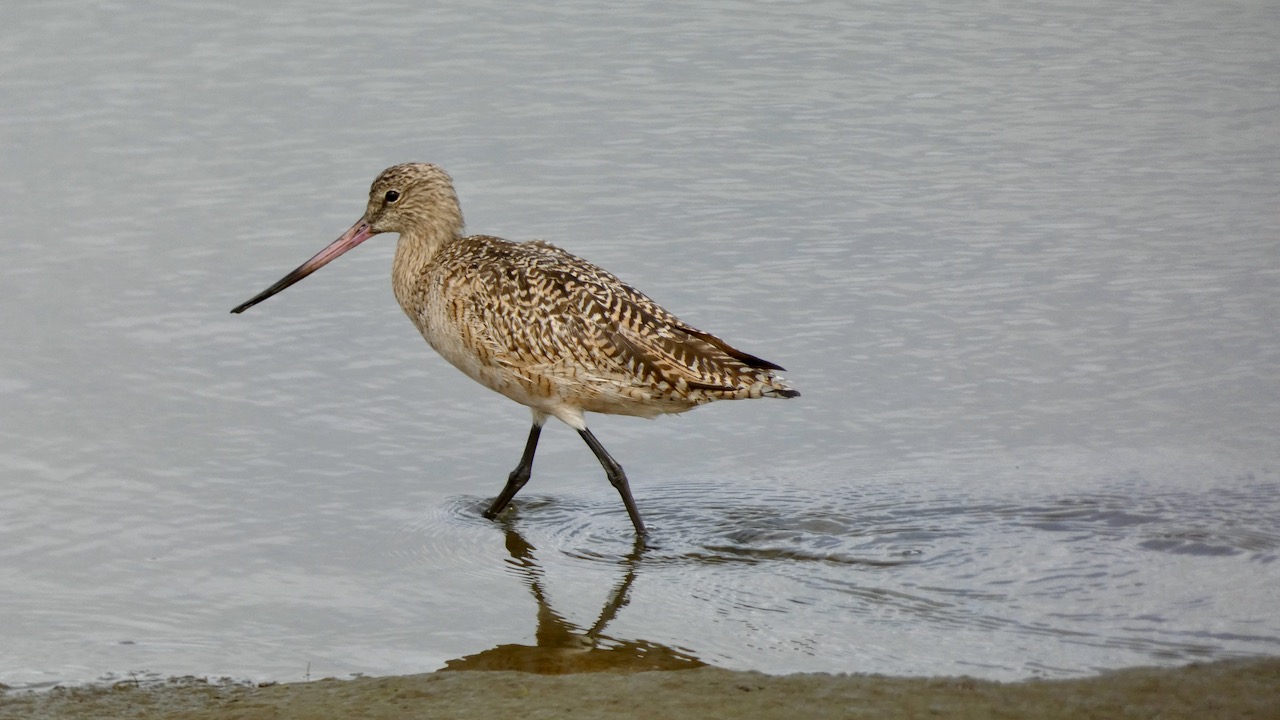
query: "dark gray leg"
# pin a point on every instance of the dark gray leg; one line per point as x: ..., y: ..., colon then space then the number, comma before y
x: 617, y: 478
x: 519, y: 476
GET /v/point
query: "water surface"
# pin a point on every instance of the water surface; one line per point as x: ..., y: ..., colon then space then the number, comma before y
x: 1022, y: 263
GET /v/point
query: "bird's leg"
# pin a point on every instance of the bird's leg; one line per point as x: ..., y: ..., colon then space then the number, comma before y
x: 519, y: 476
x: 617, y: 478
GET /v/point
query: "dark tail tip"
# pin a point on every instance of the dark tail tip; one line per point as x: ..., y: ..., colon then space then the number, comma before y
x: 780, y: 388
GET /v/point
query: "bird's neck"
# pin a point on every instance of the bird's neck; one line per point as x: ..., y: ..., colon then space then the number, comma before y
x: 415, y: 252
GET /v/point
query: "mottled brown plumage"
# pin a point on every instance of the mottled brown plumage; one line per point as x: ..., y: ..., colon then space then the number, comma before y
x: 538, y: 324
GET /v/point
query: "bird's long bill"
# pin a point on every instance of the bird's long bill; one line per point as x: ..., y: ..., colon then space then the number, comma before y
x: 351, y: 238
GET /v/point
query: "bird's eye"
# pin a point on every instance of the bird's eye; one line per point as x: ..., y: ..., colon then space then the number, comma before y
x: 392, y: 196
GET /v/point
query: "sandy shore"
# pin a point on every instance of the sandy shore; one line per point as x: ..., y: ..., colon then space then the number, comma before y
x: 1232, y: 689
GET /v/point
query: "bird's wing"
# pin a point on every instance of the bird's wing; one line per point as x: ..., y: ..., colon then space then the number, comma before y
x: 565, y: 316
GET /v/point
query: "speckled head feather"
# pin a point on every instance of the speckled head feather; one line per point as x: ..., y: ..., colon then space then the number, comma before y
x: 416, y: 199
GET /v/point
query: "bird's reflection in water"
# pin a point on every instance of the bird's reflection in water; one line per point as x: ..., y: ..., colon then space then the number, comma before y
x: 563, y: 647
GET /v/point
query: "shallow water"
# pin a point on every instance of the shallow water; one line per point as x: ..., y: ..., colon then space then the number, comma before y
x: 1023, y: 266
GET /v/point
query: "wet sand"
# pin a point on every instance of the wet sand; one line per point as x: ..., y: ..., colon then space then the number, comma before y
x: 1229, y: 689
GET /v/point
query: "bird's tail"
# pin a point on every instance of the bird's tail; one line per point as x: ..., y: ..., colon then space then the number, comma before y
x: 762, y: 382
x: 779, y: 388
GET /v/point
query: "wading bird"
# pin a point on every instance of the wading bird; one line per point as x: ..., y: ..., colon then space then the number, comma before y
x: 541, y: 326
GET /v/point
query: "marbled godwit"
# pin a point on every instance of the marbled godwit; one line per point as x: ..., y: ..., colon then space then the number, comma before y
x: 543, y: 327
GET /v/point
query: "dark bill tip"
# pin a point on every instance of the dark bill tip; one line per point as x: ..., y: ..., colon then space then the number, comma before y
x: 351, y: 238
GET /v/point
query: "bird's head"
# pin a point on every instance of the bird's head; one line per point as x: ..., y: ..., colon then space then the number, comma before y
x: 415, y: 200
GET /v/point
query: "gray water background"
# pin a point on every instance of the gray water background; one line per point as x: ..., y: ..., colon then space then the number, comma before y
x: 1022, y: 260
